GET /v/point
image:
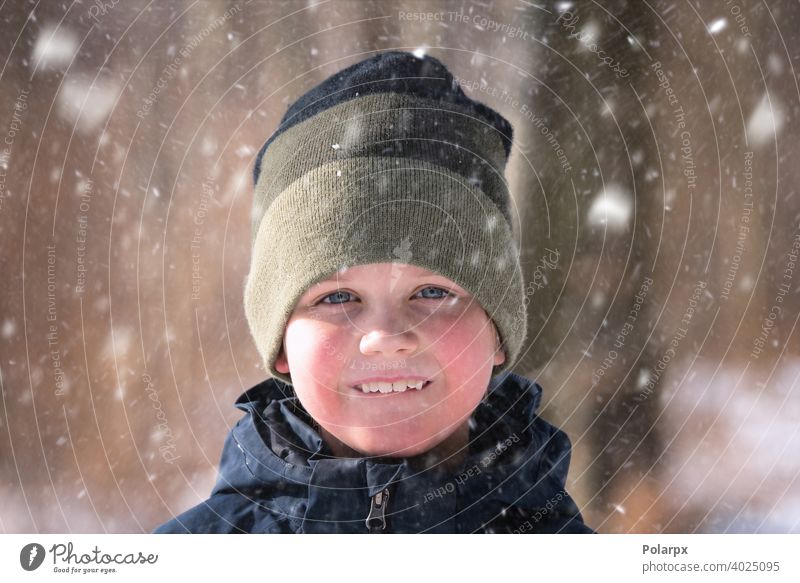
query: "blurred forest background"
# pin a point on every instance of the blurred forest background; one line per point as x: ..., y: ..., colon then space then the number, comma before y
x: 655, y: 173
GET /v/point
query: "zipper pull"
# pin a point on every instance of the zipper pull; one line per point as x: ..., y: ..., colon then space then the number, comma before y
x: 376, y: 520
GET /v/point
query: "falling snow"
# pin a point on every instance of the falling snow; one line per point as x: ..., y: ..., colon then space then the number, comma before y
x: 632, y: 178
x: 766, y: 121
x: 612, y: 208
x: 55, y: 47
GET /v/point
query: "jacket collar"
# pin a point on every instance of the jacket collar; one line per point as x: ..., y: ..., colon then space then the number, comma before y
x: 275, y: 455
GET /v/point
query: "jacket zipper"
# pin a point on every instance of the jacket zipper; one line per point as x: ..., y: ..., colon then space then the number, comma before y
x: 376, y: 519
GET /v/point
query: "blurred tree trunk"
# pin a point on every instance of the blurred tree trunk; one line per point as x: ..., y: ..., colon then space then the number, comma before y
x: 584, y: 272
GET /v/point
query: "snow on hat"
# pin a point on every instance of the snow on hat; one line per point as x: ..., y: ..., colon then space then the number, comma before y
x: 385, y: 161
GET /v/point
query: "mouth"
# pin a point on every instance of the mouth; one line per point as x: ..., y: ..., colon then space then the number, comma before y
x: 395, y: 387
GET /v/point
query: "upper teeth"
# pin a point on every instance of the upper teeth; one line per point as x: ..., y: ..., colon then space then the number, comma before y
x: 397, y: 387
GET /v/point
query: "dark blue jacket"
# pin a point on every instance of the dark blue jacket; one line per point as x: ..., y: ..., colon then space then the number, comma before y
x: 277, y: 475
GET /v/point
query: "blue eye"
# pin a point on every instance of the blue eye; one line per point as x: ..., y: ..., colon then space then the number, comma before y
x: 445, y: 292
x: 338, y: 293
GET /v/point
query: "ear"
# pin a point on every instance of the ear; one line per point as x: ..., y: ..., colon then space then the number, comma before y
x: 499, y: 354
x: 281, y: 362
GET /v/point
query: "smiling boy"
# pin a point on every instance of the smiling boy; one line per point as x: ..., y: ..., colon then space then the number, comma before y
x: 424, y: 331
x: 385, y: 297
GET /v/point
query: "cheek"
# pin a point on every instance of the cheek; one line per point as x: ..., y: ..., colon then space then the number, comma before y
x: 312, y: 345
x: 463, y: 345
x: 316, y: 360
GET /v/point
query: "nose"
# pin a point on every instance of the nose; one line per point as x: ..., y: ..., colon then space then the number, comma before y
x: 390, y: 336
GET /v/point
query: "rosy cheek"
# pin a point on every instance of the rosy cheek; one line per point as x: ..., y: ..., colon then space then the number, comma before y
x: 461, y: 345
x: 321, y: 350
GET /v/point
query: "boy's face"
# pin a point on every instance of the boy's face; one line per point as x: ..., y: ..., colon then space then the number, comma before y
x: 389, y: 321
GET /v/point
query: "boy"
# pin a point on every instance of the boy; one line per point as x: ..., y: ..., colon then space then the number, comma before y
x: 386, y: 299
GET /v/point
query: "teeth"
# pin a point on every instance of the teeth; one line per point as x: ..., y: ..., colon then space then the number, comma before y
x: 398, y: 387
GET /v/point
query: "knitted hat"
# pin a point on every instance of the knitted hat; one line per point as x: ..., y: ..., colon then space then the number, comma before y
x: 386, y: 161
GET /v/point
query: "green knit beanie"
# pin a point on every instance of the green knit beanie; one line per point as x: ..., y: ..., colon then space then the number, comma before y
x: 386, y: 161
